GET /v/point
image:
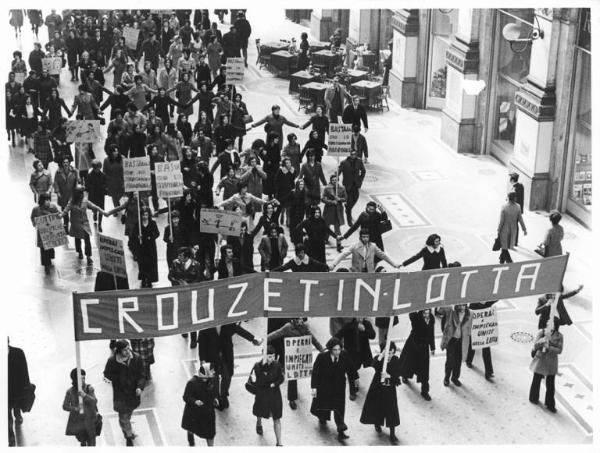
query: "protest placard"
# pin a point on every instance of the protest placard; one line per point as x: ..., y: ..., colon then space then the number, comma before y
x: 52, y: 64
x: 169, y: 180
x: 136, y: 174
x: 298, y: 357
x: 227, y: 223
x: 51, y: 230
x: 340, y: 140
x: 112, y: 255
x: 131, y: 37
x: 484, y: 330
x: 20, y: 77
x: 234, y: 72
x: 157, y: 312
x: 83, y: 131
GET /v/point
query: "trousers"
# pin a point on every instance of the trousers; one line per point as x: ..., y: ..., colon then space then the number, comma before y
x: 534, y: 391
x: 351, y: 199
x: 486, y: 353
x: 88, y: 245
x: 453, y: 358
x: 125, y: 423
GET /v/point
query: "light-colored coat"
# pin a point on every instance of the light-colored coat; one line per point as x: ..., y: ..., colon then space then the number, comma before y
x: 546, y: 363
x: 510, y: 215
x: 363, y: 257
x: 452, y: 324
x: 552, y: 241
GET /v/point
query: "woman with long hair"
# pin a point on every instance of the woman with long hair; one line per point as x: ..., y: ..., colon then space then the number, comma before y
x: 238, y: 112
x: 299, y: 205
x: 43, y: 208
x: 53, y: 107
x: 80, y: 226
x: 113, y: 169
x: 316, y: 231
x: 147, y: 257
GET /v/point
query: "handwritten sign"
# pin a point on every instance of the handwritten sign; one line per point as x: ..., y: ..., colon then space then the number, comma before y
x: 340, y: 140
x: 484, y: 331
x: 169, y: 180
x: 136, y: 174
x: 112, y: 255
x: 83, y: 131
x: 234, y: 72
x: 131, y: 37
x: 51, y: 230
x: 223, y: 222
x: 52, y: 64
x: 298, y: 357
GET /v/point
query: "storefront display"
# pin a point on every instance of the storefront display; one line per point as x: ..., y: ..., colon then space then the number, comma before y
x: 443, y: 26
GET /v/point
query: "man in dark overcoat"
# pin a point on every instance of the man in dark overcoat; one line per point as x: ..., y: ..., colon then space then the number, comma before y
x: 328, y: 384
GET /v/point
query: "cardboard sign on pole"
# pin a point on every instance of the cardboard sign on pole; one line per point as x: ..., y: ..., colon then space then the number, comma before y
x: 169, y: 179
x: 131, y: 37
x: 484, y: 331
x: 298, y: 357
x: 51, y: 230
x: 340, y: 140
x: 136, y: 174
x: 52, y: 64
x: 234, y: 73
x: 112, y: 256
x: 83, y: 131
x: 227, y: 223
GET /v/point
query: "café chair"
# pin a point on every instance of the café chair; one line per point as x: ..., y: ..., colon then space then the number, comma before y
x: 304, y: 100
x: 382, y: 98
x: 262, y: 61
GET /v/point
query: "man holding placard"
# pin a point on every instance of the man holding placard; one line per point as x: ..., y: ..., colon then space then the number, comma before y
x: 51, y: 233
x: 484, y: 333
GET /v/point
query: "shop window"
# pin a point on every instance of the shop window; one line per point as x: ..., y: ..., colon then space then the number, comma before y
x: 512, y: 72
x: 443, y: 27
x: 581, y: 179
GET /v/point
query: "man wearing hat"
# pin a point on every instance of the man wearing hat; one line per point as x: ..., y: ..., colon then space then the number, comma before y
x: 125, y: 370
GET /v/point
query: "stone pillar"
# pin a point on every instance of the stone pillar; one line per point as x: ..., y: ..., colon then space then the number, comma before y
x: 403, y: 76
x: 536, y: 107
x: 459, y: 127
x: 321, y: 24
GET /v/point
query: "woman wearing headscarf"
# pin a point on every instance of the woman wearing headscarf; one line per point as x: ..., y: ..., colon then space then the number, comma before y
x: 381, y: 402
x: 201, y: 397
x: 316, y: 231
x: 268, y: 376
x: 81, y: 424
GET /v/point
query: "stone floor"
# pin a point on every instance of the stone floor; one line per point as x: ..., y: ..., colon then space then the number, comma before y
x: 426, y: 187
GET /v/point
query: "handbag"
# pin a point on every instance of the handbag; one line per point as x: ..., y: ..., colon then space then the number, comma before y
x: 248, y: 119
x: 385, y: 226
x: 28, y: 398
x: 497, y: 244
x: 98, y: 424
x: 541, y: 250
x: 251, y: 385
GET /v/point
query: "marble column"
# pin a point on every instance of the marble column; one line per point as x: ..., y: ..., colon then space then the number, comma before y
x: 403, y: 76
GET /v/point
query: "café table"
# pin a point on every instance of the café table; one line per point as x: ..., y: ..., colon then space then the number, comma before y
x: 282, y: 61
x: 316, y: 91
x: 316, y: 46
x: 325, y: 59
x: 300, y: 78
x: 369, y: 90
x: 274, y: 46
x: 351, y: 76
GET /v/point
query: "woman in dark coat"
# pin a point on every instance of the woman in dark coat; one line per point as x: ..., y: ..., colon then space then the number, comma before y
x: 381, y: 402
x: 268, y: 377
x: 303, y: 59
x: 238, y: 112
x: 243, y: 247
x: 271, y: 212
x: 201, y: 398
x: 146, y: 256
x: 95, y: 184
x: 113, y: 169
x: 299, y: 204
x: 74, y: 49
x: 315, y: 143
x: 53, y: 109
x: 82, y: 426
x: 414, y: 358
x: 44, y: 208
x: 328, y: 384
x: 222, y: 133
x: 317, y: 231
x: 272, y: 160
x: 433, y: 254
x: 189, y: 167
x: 175, y: 240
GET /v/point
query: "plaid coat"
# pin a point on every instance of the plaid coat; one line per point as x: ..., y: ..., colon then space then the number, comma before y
x: 41, y: 147
x: 144, y: 347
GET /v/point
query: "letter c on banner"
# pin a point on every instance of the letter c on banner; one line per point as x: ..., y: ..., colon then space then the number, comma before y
x: 268, y: 294
x: 123, y: 315
x: 159, y: 310
x: 83, y: 303
x: 443, y: 284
